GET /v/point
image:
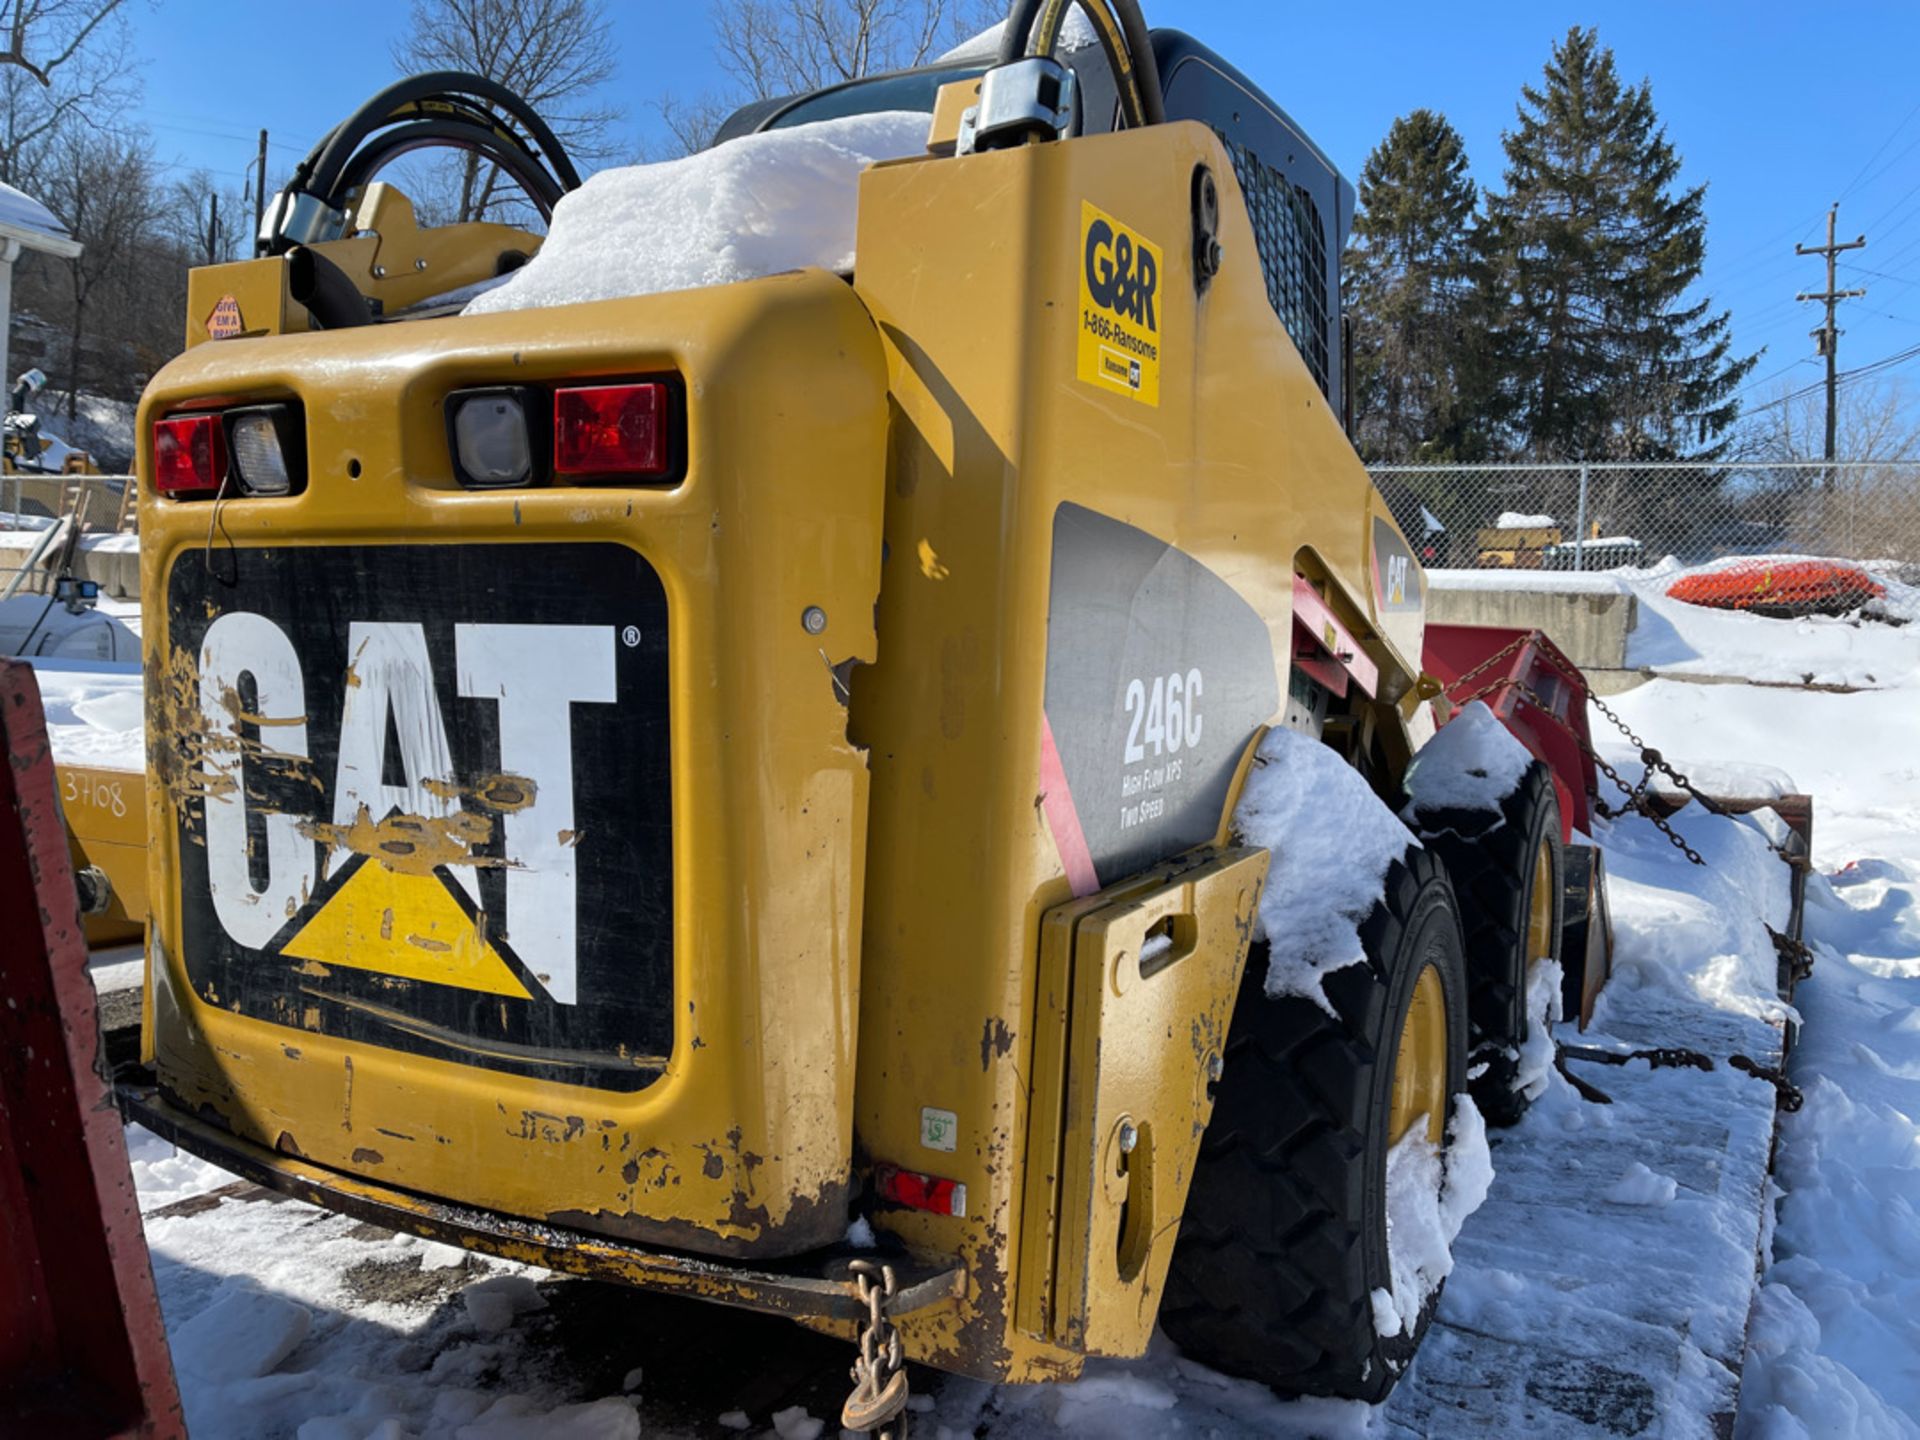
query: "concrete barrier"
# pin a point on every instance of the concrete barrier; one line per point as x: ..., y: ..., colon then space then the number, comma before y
x: 112, y: 560
x: 1588, y: 616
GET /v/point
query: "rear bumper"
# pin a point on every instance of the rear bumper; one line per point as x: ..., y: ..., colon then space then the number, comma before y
x: 815, y: 1288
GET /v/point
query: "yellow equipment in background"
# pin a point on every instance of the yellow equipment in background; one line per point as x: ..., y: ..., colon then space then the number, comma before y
x: 637, y: 785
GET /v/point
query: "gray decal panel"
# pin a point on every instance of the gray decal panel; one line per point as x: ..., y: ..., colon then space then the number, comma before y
x: 1158, y: 673
x: 1398, y: 581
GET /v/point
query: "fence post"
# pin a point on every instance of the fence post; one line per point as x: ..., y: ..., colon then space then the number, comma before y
x: 1580, y: 524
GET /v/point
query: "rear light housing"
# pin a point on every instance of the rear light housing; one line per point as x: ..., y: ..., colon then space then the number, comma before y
x: 189, y: 455
x: 916, y: 1191
x: 505, y: 436
x: 612, y: 431
x: 268, y: 448
x: 497, y: 436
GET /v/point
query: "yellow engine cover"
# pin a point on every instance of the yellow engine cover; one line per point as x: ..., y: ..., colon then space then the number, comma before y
x: 508, y: 845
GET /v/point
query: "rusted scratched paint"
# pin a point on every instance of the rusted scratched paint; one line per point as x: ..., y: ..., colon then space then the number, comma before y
x: 815, y: 1291
x: 193, y: 759
x: 822, y: 1214
x: 503, y: 793
x: 410, y: 844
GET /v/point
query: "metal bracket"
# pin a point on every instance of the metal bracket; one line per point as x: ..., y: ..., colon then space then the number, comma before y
x: 1033, y: 99
x: 308, y: 220
x: 1206, y: 229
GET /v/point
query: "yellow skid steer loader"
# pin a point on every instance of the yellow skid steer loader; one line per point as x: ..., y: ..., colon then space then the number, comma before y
x: 640, y: 784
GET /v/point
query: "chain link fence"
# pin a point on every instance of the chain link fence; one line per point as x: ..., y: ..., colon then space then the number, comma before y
x: 1617, y: 516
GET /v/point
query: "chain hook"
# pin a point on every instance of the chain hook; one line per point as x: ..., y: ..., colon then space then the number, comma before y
x: 878, y: 1404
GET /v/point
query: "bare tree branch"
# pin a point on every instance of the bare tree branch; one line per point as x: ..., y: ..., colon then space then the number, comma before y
x: 554, y: 54
x: 785, y: 47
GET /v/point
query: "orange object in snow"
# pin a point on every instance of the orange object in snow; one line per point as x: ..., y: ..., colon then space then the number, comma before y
x: 1789, y: 587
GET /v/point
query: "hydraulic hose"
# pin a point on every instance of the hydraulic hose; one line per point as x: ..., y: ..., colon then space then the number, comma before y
x: 332, y: 152
x: 441, y: 108
x: 541, y: 187
x: 1033, y: 28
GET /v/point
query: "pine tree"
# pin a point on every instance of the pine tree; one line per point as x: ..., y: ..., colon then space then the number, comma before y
x: 1408, y: 278
x: 1593, y: 249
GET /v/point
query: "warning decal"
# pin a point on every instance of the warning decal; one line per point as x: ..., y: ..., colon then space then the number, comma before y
x: 1120, y: 273
x: 225, y: 322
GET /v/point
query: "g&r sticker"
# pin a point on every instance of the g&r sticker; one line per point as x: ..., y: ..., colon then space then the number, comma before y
x: 1119, y: 306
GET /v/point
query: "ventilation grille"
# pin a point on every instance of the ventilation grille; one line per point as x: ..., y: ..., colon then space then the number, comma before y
x: 1293, y: 254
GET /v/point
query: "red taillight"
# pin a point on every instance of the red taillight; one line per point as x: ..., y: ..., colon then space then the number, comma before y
x: 923, y: 1192
x: 189, y: 455
x: 611, y: 430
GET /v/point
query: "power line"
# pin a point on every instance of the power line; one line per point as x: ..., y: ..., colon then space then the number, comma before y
x: 1879, y: 152
x: 1846, y: 377
x: 1768, y: 379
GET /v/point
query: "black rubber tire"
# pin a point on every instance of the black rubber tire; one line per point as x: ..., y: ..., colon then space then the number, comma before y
x: 1491, y: 860
x: 1284, y: 1238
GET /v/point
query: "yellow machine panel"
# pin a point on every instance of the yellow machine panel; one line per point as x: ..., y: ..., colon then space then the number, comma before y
x: 106, y: 815
x: 527, y: 868
x: 1068, y: 567
x: 1137, y: 986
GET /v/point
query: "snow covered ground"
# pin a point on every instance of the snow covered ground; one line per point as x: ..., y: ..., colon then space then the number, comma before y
x: 1602, y: 1289
x: 1836, y: 1336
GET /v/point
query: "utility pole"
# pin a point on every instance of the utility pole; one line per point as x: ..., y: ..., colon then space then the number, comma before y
x: 1827, y: 338
x: 213, y: 227
x: 260, y: 190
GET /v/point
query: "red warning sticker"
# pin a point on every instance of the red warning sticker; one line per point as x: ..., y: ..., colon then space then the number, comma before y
x: 225, y: 322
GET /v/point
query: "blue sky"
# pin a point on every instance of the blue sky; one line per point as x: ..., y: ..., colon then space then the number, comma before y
x: 1780, y: 108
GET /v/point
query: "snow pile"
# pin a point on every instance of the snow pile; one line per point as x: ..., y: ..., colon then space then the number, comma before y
x: 1472, y: 763
x: 21, y: 211
x: 1641, y: 1186
x: 163, y: 1175
x: 1332, y: 842
x: 1901, y: 604
x: 1429, y: 1198
x: 1543, y: 1013
x: 794, y: 1423
x: 94, y: 714
x: 241, y: 1336
x: 1837, y: 1325
x: 493, y: 1303
x: 1676, y: 638
x: 1514, y: 520
x: 761, y: 204
x: 288, y: 1322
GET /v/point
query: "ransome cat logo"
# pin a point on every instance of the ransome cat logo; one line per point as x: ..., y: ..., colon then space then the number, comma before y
x: 1120, y: 273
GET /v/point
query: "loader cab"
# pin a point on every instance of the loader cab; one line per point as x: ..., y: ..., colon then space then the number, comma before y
x: 1300, y: 205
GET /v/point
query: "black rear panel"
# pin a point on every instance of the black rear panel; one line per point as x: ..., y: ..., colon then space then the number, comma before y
x: 430, y: 798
